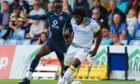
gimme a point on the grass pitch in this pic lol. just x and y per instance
(83, 82)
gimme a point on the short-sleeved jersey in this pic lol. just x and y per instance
(57, 25)
(84, 33)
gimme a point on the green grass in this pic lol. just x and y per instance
(83, 82)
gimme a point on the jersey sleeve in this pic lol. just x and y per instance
(68, 23)
(41, 17)
(68, 26)
(37, 17)
(72, 21)
(94, 27)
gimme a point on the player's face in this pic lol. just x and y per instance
(58, 8)
(79, 19)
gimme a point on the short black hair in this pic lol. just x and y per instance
(57, 1)
(80, 11)
(105, 26)
(6, 2)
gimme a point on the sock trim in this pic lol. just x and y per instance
(72, 68)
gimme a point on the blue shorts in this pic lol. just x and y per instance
(58, 47)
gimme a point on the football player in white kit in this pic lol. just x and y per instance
(84, 31)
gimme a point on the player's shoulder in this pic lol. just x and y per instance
(73, 21)
(49, 13)
(92, 23)
(89, 21)
(66, 15)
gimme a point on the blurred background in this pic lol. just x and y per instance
(118, 56)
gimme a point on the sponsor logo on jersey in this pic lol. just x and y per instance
(61, 18)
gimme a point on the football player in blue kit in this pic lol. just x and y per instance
(59, 23)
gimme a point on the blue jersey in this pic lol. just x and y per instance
(57, 24)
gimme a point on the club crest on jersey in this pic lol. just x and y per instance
(61, 18)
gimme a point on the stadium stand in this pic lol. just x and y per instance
(25, 42)
(134, 42)
(82, 73)
(18, 34)
(1, 41)
(137, 35)
(51, 68)
(34, 43)
(2, 32)
(124, 42)
(46, 72)
(11, 42)
(98, 72)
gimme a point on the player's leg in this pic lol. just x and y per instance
(70, 71)
(67, 62)
(60, 56)
(60, 49)
(69, 57)
(44, 50)
(79, 58)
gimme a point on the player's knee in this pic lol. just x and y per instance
(42, 52)
(39, 55)
(60, 56)
(76, 62)
(61, 61)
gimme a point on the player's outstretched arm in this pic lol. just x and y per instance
(37, 17)
(98, 41)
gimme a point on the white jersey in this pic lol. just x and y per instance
(84, 33)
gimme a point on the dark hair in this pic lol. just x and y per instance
(105, 26)
(84, 1)
(97, 0)
(121, 19)
(44, 33)
(57, 1)
(80, 11)
(117, 14)
(6, 2)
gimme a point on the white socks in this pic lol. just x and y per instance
(29, 75)
(68, 74)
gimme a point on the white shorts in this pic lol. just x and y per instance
(74, 52)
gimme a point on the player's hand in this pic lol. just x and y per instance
(66, 32)
(68, 41)
(93, 53)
